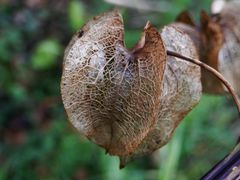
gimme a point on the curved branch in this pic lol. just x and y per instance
(213, 71)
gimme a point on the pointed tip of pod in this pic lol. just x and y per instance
(123, 162)
(148, 25)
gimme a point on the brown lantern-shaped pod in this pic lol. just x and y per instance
(130, 101)
(109, 92)
(220, 35)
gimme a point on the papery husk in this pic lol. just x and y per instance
(111, 94)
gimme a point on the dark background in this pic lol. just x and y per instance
(36, 139)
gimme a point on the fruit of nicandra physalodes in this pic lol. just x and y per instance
(229, 53)
(111, 94)
(220, 36)
(128, 101)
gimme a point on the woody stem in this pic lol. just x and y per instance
(213, 71)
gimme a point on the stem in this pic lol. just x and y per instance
(213, 71)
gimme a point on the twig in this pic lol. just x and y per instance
(213, 71)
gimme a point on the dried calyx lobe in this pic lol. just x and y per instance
(128, 102)
(181, 91)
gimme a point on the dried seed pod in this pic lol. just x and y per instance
(111, 95)
(211, 43)
(229, 54)
(128, 102)
(181, 91)
(220, 48)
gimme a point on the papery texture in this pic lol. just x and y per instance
(111, 95)
(181, 91)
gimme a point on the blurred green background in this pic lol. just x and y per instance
(37, 141)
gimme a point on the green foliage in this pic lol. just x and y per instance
(45, 54)
(131, 37)
(76, 14)
(36, 141)
(10, 40)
